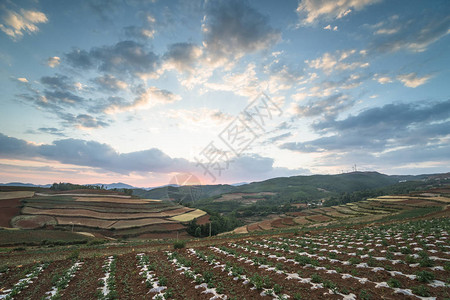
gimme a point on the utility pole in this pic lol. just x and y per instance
(209, 228)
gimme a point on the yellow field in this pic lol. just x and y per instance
(189, 216)
(387, 198)
(242, 229)
(115, 200)
(14, 195)
(403, 198)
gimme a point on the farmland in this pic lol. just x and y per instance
(370, 210)
(402, 260)
(95, 212)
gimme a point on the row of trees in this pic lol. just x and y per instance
(218, 224)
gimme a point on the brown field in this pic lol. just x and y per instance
(242, 229)
(203, 220)
(255, 197)
(32, 222)
(253, 227)
(139, 222)
(278, 223)
(319, 218)
(16, 195)
(8, 209)
(106, 224)
(88, 222)
(266, 225)
(99, 215)
(115, 200)
(301, 221)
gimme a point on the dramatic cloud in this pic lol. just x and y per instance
(233, 28)
(102, 156)
(15, 24)
(412, 80)
(330, 9)
(378, 129)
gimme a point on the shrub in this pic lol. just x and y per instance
(179, 244)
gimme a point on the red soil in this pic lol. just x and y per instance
(8, 209)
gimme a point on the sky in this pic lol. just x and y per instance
(140, 92)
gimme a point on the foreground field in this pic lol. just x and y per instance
(399, 261)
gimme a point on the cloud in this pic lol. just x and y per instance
(411, 80)
(327, 107)
(15, 24)
(244, 84)
(200, 116)
(415, 34)
(328, 27)
(381, 128)
(109, 83)
(382, 79)
(126, 57)
(182, 56)
(22, 79)
(330, 9)
(47, 130)
(144, 32)
(57, 82)
(104, 8)
(282, 76)
(233, 28)
(79, 59)
(11, 147)
(145, 98)
(54, 61)
(340, 61)
(103, 157)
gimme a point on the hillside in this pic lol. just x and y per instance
(430, 203)
(96, 213)
(274, 193)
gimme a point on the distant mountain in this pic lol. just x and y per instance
(25, 184)
(118, 185)
(239, 183)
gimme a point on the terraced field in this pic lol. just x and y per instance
(370, 210)
(103, 214)
(397, 261)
